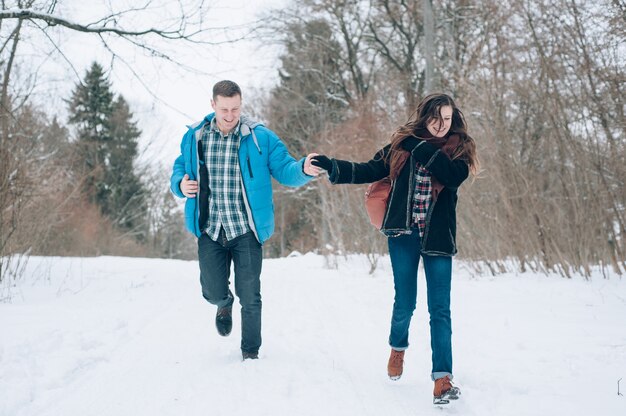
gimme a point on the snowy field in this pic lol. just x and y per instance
(121, 336)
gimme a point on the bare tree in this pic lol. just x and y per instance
(541, 84)
(396, 31)
(550, 144)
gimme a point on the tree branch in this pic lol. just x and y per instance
(177, 34)
(54, 21)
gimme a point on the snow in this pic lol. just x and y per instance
(126, 336)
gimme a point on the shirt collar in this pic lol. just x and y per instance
(234, 131)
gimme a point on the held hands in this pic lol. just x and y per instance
(314, 164)
(188, 187)
(309, 168)
(322, 162)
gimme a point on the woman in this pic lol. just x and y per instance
(427, 160)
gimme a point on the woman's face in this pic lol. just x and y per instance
(439, 126)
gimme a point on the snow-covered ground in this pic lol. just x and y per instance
(121, 336)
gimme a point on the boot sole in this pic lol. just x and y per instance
(224, 333)
(445, 400)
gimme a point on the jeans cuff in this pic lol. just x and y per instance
(441, 374)
(226, 302)
(399, 348)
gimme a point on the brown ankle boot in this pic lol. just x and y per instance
(395, 364)
(444, 391)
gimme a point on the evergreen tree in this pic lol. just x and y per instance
(91, 108)
(309, 97)
(107, 148)
(127, 201)
(308, 102)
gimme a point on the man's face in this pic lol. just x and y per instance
(227, 112)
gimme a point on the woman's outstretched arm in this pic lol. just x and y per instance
(345, 171)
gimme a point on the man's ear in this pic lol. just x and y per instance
(212, 104)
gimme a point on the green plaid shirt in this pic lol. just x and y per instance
(226, 206)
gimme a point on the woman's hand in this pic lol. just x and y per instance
(409, 143)
(322, 162)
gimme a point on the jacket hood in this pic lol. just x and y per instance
(248, 123)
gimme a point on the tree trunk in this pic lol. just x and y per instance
(429, 46)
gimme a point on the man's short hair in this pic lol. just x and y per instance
(226, 89)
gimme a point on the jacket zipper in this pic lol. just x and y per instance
(431, 208)
(411, 191)
(250, 168)
(196, 224)
(246, 204)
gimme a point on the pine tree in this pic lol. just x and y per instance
(107, 148)
(307, 102)
(126, 202)
(91, 108)
(310, 94)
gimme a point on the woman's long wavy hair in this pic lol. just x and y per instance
(428, 109)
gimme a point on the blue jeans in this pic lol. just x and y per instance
(215, 258)
(404, 251)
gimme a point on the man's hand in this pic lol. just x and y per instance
(309, 168)
(188, 188)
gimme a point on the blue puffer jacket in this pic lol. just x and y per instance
(261, 155)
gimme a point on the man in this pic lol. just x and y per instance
(224, 170)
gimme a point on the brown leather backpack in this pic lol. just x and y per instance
(376, 198)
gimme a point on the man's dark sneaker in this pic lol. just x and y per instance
(445, 391)
(224, 319)
(250, 355)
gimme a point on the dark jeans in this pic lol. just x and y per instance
(245, 253)
(405, 256)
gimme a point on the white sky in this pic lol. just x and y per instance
(187, 94)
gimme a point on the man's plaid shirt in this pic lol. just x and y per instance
(226, 206)
(422, 197)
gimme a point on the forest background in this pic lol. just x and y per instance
(541, 84)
